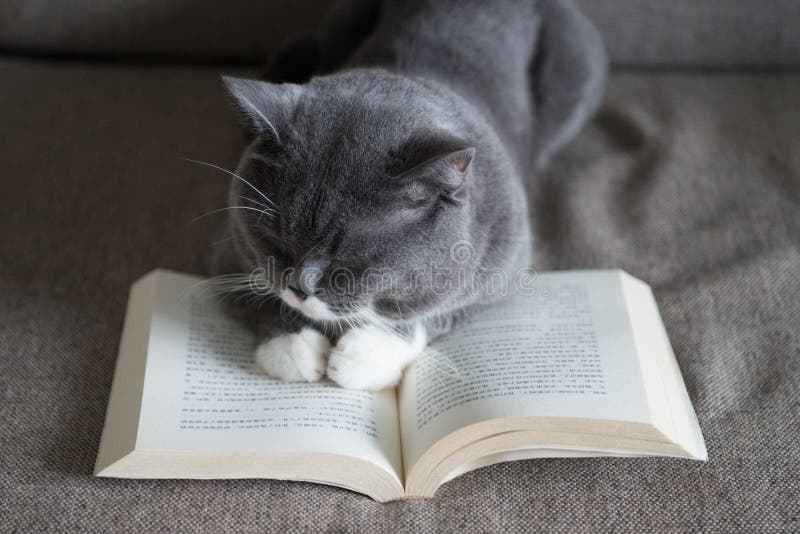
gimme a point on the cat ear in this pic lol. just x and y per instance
(265, 106)
(569, 74)
(446, 173)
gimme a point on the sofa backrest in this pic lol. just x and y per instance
(637, 32)
(699, 32)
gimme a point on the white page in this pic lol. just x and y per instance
(203, 392)
(564, 349)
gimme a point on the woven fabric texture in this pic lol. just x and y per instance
(689, 182)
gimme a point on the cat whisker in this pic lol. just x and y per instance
(349, 322)
(332, 328)
(370, 316)
(237, 286)
(254, 188)
(450, 370)
(262, 212)
(222, 240)
(255, 202)
(266, 209)
(219, 282)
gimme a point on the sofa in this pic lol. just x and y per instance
(688, 178)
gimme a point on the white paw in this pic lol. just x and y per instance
(296, 357)
(371, 358)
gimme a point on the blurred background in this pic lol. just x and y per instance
(688, 178)
(642, 32)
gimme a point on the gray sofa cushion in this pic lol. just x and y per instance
(640, 32)
(688, 182)
(245, 30)
(699, 32)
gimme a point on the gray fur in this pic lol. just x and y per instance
(419, 136)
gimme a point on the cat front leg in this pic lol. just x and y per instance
(295, 357)
(372, 357)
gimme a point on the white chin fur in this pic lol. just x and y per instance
(312, 307)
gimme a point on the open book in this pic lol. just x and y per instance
(578, 366)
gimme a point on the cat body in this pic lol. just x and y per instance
(382, 201)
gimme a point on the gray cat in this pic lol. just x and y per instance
(375, 196)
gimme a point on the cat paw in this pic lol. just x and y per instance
(296, 357)
(371, 358)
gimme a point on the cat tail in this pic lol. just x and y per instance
(568, 74)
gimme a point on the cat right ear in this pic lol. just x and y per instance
(265, 107)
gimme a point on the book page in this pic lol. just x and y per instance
(562, 349)
(203, 391)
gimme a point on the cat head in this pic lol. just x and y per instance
(354, 189)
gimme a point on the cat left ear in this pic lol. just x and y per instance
(445, 173)
(265, 107)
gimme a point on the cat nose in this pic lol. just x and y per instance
(299, 293)
(304, 280)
